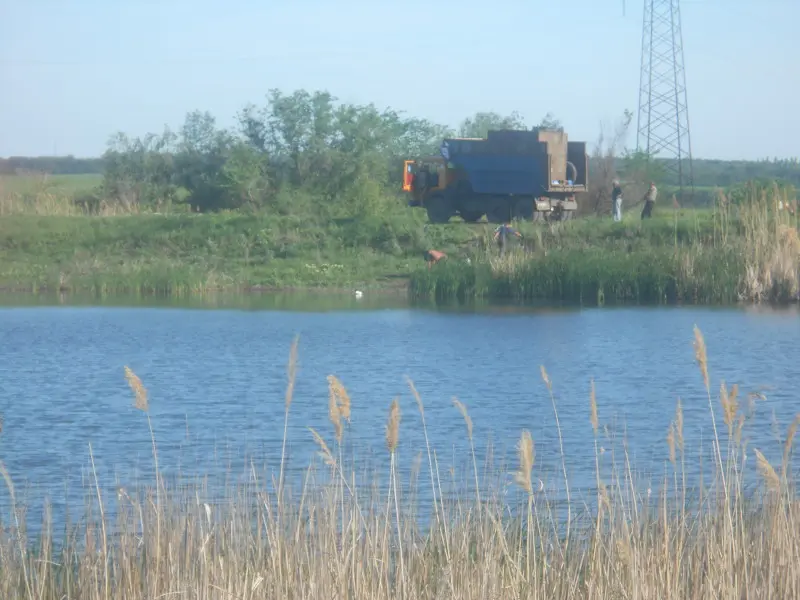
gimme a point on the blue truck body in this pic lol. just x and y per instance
(502, 174)
(521, 174)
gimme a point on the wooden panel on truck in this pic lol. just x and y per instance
(557, 149)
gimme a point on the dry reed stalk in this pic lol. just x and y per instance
(392, 439)
(340, 396)
(468, 421)
(700, 356)
(291, 374)
(526, 454)
(548, 383)
(21, 542)
(768, 473)
(595, 547)
(106, 579)
(142, 403)
(671, 442)
(730, 407)
(437, 507)
(787, 446)
(393, 426)
(325, 452)
(335, 416)
(139, 391)
(523, 477)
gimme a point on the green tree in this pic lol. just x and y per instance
(200, 158)
(479, 125)
(140, 171)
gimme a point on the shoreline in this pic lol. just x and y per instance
(395, 291)
(242, 290)
(721, 257)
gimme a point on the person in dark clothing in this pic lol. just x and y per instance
(501, 236)
(649, 201)
(616, 200)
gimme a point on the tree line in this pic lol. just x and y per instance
(307, 144)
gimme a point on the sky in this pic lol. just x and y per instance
(73, 72)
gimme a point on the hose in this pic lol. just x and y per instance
(574, 172)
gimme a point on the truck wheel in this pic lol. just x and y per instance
(471, 216)
(559, 214)
(499, 211)
(523, 210)
(439, 208)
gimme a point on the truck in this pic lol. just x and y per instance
(510, 174)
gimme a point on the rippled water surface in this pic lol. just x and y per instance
(217, 379)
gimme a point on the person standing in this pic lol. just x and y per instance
(616, 200)
(649, 201)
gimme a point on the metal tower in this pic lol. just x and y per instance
(663, 121)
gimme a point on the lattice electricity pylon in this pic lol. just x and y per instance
(663, 122)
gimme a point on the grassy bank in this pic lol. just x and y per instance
(185, 253)
(335, 542)
(723, 255)
(48, 241)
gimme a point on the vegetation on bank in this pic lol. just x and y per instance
(725, 539)
(309, 142)
(745, 251)
(185, 253)
(304, 191)
(748, 252)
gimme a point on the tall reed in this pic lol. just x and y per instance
(337, 541)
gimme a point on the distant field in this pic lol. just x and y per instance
(67, 185)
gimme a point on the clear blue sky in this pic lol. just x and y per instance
(72, 72)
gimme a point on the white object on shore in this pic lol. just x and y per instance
(359, 293)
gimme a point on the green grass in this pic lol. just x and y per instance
(714, 256)
(67, 185)
(193, 253)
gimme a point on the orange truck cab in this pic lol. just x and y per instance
(408, 175)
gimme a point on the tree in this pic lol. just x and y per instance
(550, 122)
(346, 159)
(140, 171)
(479, 125)
(603, 167)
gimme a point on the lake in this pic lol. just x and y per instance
(215, 370)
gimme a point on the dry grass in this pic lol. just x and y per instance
(62, 195)
(772, 246)
(334, 542)
(748, 252)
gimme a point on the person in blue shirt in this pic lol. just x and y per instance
(501, 235)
